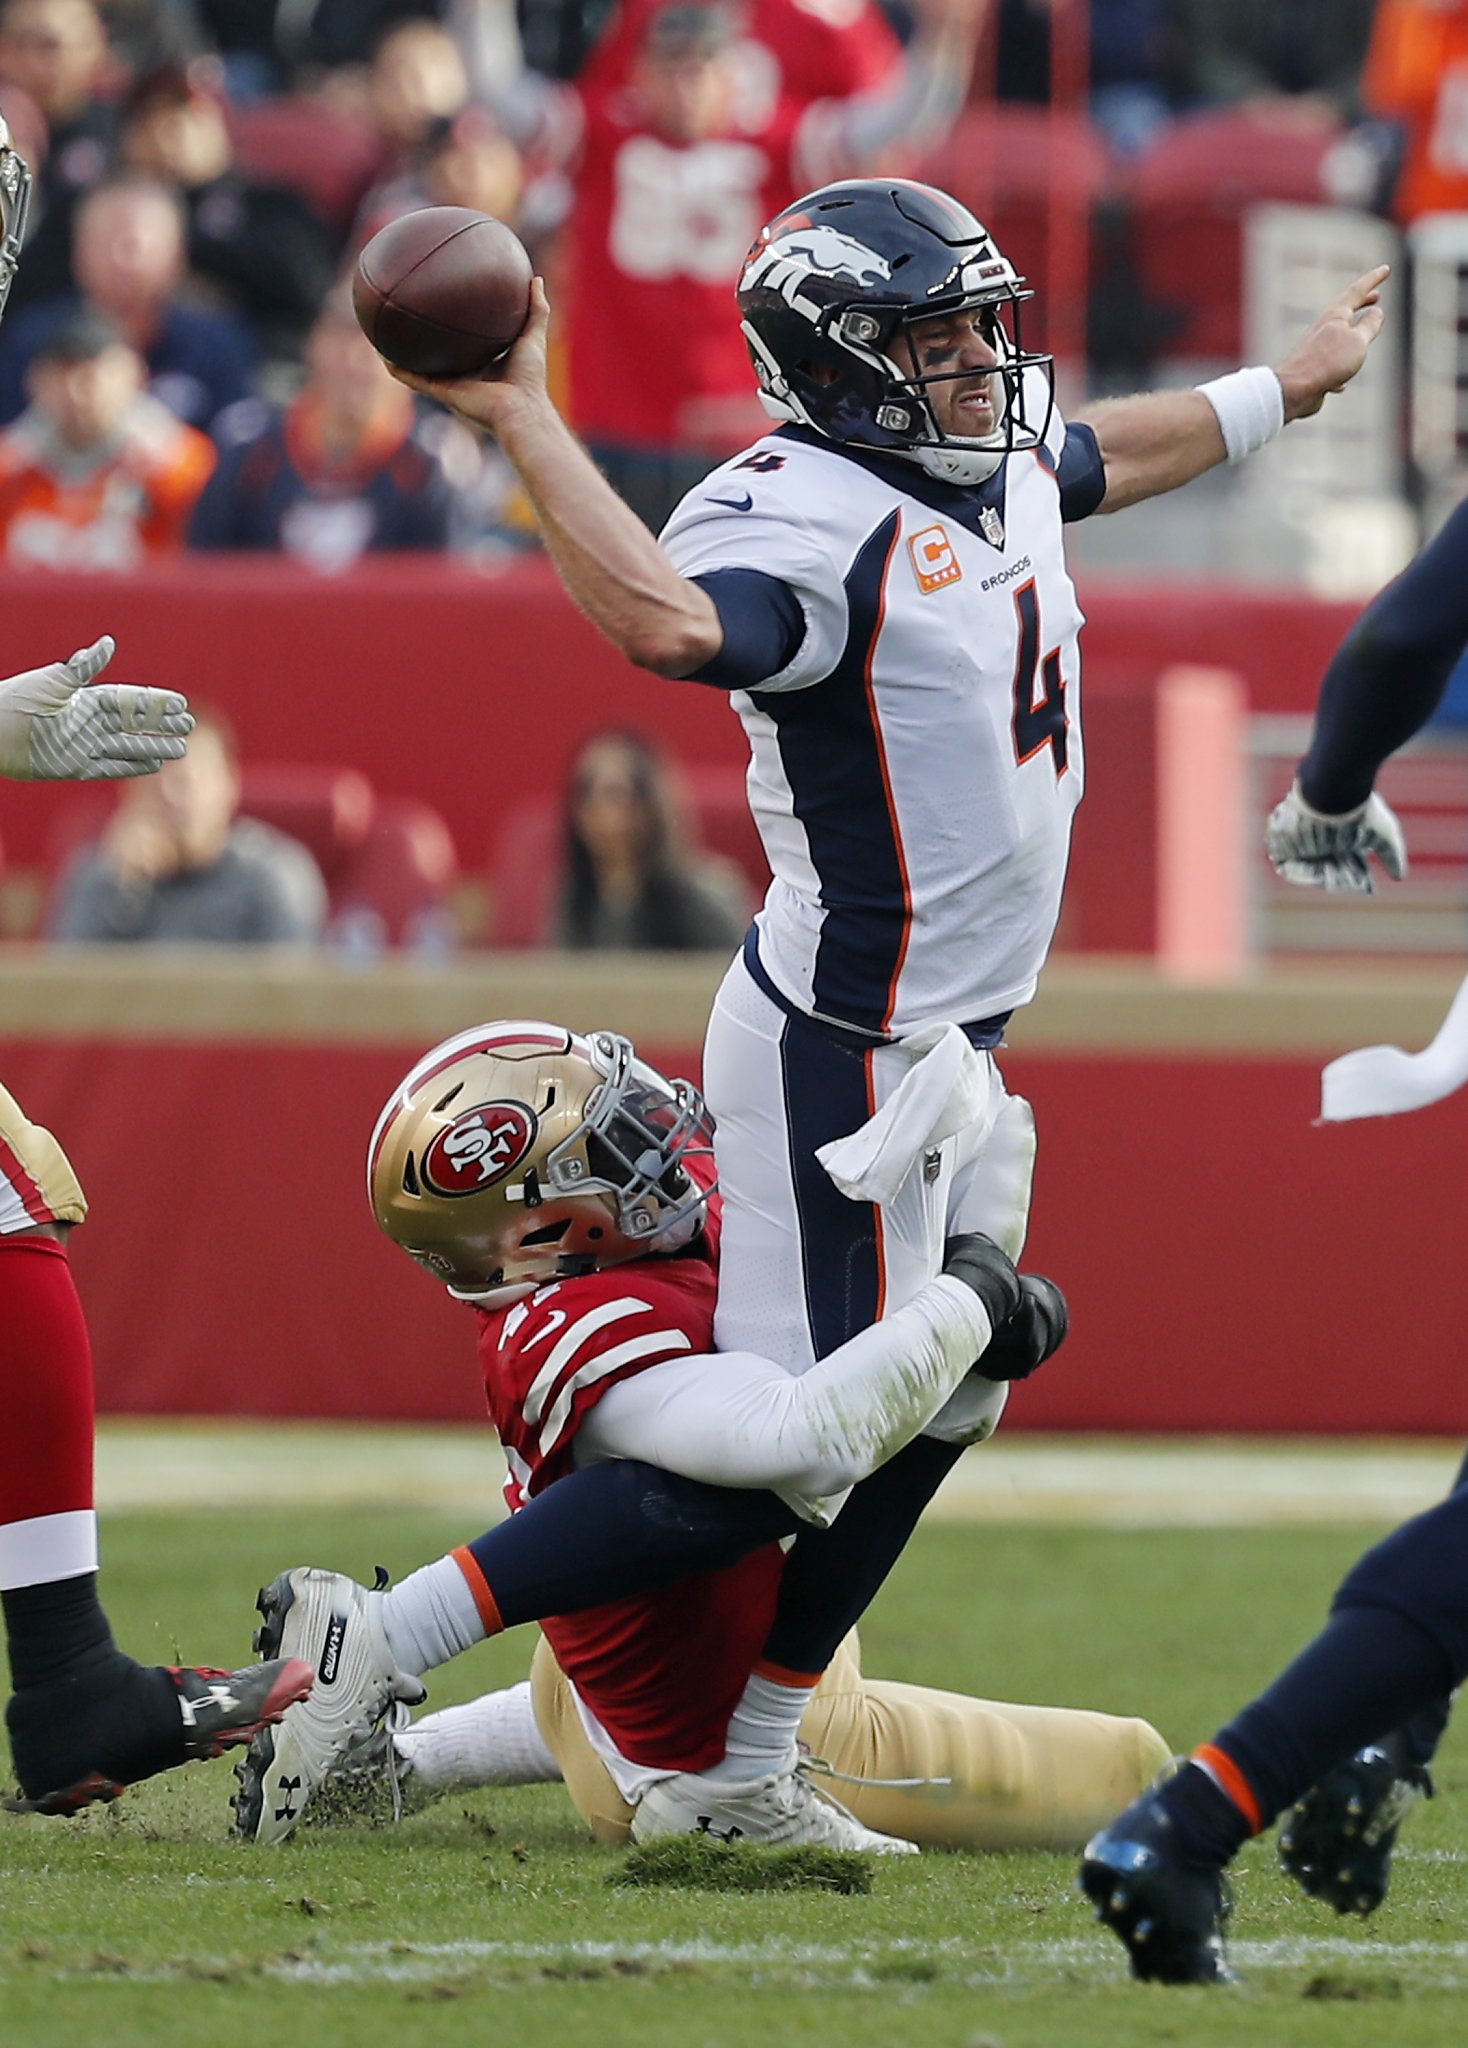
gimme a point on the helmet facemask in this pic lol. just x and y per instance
(15, 199)
(518, 1155)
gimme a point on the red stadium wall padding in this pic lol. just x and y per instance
(1230, 1266)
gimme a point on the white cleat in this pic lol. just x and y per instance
(333, 1623)
(781, 1812)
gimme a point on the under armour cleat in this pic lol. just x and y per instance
(779, 1812)
(1337, 1842)
(1167, 1910)
(220, 1710)
(334, 1624)
(374, 1785)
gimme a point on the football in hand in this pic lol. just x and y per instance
(444, 291)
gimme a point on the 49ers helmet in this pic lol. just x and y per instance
(829, 294)
(519, 1153)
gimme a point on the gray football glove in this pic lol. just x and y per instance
(54, 729)
(1321, 852)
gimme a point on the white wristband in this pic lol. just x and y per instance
(1250, 409)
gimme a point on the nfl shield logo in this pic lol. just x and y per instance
(991, 526)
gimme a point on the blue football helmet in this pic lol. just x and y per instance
(829, 294)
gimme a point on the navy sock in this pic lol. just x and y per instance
(1209, 1827)
(1367, 1669)
(612, 1531)
(832, 1575)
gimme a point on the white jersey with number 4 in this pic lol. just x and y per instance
(916, 766)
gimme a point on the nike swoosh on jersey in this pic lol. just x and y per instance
(744, 504)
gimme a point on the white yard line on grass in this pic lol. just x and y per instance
(1123, 1483)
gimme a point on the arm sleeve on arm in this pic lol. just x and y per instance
(733, 1419)
(1080, 473)
(1388, 676)
(768, 545)
(763, 627)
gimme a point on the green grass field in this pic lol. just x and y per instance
(493, 1918)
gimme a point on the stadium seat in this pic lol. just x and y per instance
(1188, 197)
(393, 888)
(1005, 162)
(327, 156)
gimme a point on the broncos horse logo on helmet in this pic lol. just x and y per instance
(519, 1153)
(829, 295)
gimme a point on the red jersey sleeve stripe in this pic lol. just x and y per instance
(567, 1344)
(641, 1351)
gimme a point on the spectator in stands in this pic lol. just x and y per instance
(145, 34)
(787, 48)
(345, 468)
(95, 474)
(129, 259)
(677, 170)
(259, 246)
(267, 44)
(629, 879)
(178, 865)
(466, 161)
(1416, 83)
(57, 52)
(1294, 60)
(418, 80)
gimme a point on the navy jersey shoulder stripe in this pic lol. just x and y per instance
(834, 761)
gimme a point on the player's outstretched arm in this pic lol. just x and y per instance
(609, 562)
(1163, 439)
(1383, 684)
(54, 728)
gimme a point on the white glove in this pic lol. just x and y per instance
(1320, 852)
(52, 729)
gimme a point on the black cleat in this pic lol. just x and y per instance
(1337, 1842)
(1168, 1911)
(219, 1709)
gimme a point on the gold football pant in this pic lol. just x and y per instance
(994, 1776)
(37, 1184)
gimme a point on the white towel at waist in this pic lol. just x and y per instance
(948, 1088)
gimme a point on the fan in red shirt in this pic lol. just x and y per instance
(683, 137)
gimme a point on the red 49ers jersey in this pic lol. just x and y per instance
(661, 1673)
(655, 354)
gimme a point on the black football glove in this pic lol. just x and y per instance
(1034, 1332)
(979, 1263)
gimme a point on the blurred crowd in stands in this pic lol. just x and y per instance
(180, 367)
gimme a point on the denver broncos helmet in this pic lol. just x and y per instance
(519, 1153)
(829, 294)
(15, 199)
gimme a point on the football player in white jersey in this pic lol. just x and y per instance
(881, 584)
(84, 1720)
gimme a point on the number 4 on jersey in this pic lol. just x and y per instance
(1038, 722)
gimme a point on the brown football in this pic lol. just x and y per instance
(444, 291)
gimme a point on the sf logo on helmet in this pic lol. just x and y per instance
(479, 1147)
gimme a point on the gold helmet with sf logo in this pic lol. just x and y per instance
(519, 1153)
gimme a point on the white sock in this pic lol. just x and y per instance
(492, 1741)
(430, 1617)
(762, 1731)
